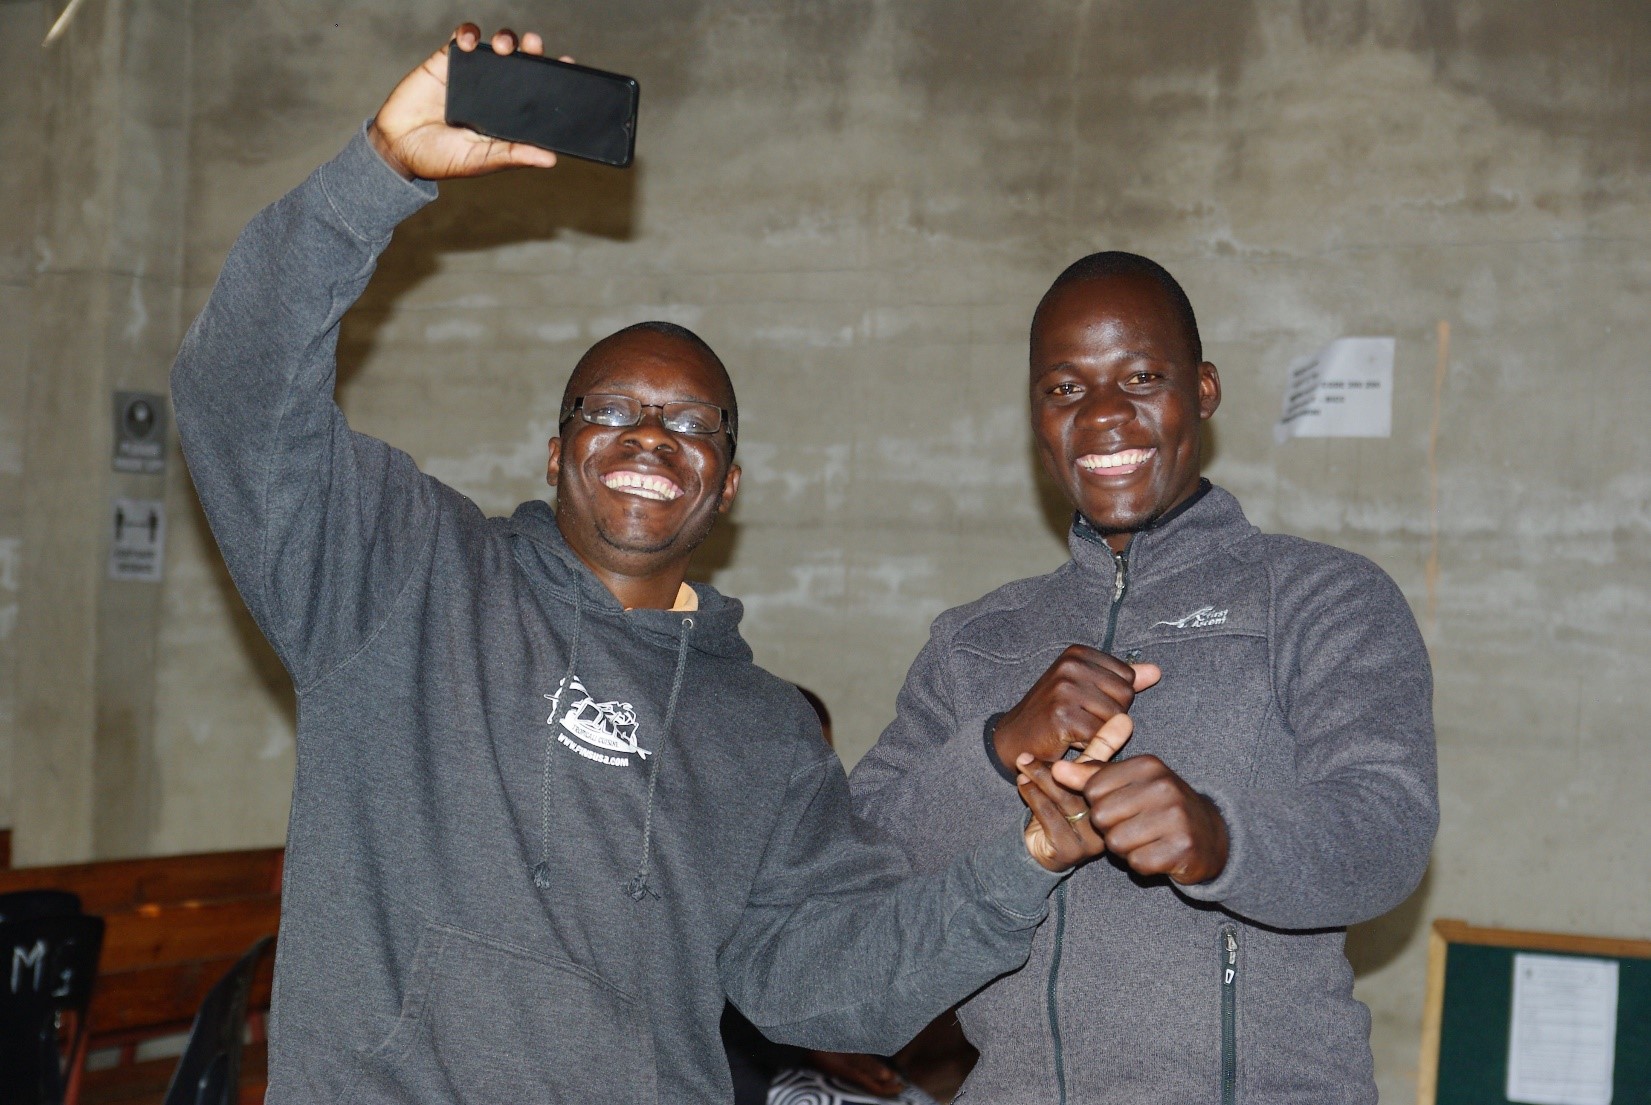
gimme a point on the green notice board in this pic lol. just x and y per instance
(1470, 1009)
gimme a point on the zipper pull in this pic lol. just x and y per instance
(1118, 581)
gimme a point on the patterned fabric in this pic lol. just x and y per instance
(802, 1086)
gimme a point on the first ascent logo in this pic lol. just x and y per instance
(587, 725)
(1202, 618)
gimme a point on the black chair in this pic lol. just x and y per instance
(19, 904)
(49, 965)
(209, 1071)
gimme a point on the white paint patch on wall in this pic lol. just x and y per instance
(11, 554)
(902, 590)
(965, 459)
(455, 330)
(489, 474)
(818, 474)
(278, 741)
(137, 319)
(558, 333)
(683, 314)
(803, 337)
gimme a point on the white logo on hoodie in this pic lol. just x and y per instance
(610, 725)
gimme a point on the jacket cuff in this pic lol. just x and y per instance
(1220, 888)
(1011, 880)
(368, 196)
(989, 731)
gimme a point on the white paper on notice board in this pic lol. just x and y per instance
(1343, 390)
(1562, 1040)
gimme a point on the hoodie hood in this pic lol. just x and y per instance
(547, 560)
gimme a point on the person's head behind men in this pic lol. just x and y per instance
(634, 501)
(1119, 388)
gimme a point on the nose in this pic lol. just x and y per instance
(1106, 407)
(650, 433)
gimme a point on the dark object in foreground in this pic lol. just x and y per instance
(555, 105)
(209, 1071)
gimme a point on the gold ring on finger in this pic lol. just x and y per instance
(1077, 817)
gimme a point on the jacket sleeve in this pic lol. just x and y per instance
(1350, 839)
(928, 783)
(320, 526)
(843, 947)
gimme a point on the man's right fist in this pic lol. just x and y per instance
(1080, 692)
(410, 131)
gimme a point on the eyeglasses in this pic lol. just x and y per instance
(601, 409)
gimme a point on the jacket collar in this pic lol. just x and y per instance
(1208, 521)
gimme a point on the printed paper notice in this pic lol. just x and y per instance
(1343, 390)
(1562, 1043)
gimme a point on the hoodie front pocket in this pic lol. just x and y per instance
(485, 1022)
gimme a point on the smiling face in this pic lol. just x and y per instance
(635, 501)
(1117, 398)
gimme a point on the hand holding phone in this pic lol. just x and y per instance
(411, 133)
(555, 105)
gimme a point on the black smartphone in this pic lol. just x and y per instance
(555, 105)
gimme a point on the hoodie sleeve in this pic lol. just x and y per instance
(1351, 838)
(929, 781)
(319, 525)
(842, 947)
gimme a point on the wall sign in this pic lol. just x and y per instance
(136, 551)
(140, 432)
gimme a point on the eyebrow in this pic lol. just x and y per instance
(1127, 354)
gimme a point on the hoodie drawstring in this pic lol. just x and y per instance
(541, 870)
(638, 887)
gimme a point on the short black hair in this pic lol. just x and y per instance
(1115, 262)
(679, 333)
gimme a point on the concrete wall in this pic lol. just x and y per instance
(858, 203)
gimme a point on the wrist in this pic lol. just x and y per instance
(381, 146)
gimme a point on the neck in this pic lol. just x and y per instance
(654, 591)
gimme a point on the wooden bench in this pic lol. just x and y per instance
(175, 925)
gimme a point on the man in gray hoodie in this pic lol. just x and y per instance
(1279, 784)
(547, 815)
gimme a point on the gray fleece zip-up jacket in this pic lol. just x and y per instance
(1296, 694)
(536, 839)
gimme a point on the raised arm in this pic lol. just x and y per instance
(319, 525)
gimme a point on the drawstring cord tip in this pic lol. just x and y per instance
(638, 889)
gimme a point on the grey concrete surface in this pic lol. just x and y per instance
(858, 202)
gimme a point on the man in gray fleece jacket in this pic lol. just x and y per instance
(1279, 784)
(548, 816)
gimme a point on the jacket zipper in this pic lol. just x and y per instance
(1054, 971)
(1120, 585)
(1229, 1015)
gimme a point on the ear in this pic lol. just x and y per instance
(730, 488)
(1209, 390)
(553, 467)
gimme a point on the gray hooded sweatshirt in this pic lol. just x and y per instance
(536, 839)
(1297, 695)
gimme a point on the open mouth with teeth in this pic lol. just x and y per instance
(1120, 463)
(642, 486)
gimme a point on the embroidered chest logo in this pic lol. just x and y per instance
(1202, 618)
(587, 725)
